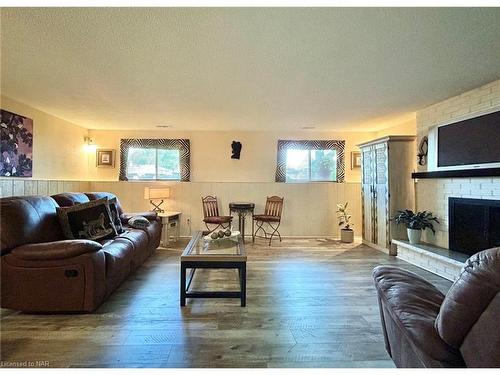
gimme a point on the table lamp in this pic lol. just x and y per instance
(156, 194)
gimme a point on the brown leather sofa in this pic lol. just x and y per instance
(424, 328)
(41, 271)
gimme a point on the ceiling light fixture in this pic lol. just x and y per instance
(308, 127)
(164, 126)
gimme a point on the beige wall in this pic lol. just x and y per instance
(58, 146)
(405, 128)
(308, 210)
(211, 151)
(433, 194)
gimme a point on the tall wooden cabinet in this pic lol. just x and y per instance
(386, 187)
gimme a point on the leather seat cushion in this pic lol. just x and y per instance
(137, 237)
(118, 255)
(414, 305)
(217, 219)
(140, 240)
(267, 218)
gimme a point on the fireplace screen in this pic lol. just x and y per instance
(474, 224)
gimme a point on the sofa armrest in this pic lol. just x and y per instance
(56, 250)
(150, 215)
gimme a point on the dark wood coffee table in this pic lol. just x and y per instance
(225, 253)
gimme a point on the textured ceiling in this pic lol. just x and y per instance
(247, 68)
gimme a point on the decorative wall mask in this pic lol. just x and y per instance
(423, 148)
(236, 149)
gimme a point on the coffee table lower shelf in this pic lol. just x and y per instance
(193, 265)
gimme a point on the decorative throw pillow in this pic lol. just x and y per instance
(115, 215)
(138, 222)
(91, 220)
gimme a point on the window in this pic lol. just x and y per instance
(310, 161)
(154, 159)
(311, 165)
(153, 164)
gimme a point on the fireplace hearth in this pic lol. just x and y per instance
(474, 224)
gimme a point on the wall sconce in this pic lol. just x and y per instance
(90, 146)
(156, 194)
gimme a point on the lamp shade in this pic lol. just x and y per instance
(156, 193)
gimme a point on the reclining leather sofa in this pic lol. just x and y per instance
(424, 328)
(41, 271)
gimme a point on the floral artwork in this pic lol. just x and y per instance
(16, 145)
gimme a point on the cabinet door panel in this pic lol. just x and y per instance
(368, 164)
(381, 195)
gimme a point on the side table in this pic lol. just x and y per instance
(171, 225)
(243, 209)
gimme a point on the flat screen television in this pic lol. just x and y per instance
(466, 144)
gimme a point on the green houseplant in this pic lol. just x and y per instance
(346, 233)
(415, 223)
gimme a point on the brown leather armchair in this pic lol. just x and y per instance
(41, 271)
(424, 328)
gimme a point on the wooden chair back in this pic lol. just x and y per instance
(274, 206)
(210, 206)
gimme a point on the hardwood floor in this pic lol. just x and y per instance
(310, 303)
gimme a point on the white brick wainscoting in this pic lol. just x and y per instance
(442, 262)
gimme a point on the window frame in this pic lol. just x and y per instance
(182, 145)
(310, 145)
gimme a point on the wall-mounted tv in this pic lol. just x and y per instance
(466, 144)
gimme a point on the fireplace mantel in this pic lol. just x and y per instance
(477, 172)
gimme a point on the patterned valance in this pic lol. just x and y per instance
(284, 145)
(166, 144)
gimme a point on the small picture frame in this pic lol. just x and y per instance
(355, 159)
(105, 158)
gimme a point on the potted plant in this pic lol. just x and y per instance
(415, 223)
(346, 233)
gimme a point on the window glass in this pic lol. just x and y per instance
(323, 165)
(153, 164)
(311, 165)
(297, 165)
(168, 165)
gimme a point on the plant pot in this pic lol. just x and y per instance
(347, 235)
(414, 235)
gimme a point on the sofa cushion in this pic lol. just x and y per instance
(137, 237)
(140, 240)
(413, 304)
(26, 220)
(91, 220)
(118, 254)
(70, 199)
(56, 250)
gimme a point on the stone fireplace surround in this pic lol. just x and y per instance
(474, 225)
(432, 194)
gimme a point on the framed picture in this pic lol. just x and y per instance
(355, 159)
(16, 158)
(105, 158)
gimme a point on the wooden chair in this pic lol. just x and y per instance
(271, 216)
(211, 214)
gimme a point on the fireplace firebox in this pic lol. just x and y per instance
(474, 224)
